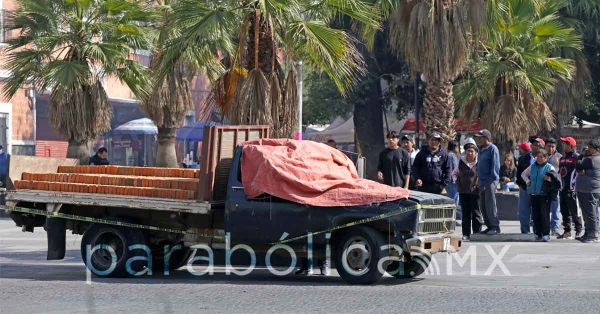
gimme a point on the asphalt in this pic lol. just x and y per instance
(527, 278)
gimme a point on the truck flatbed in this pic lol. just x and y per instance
(108, 200)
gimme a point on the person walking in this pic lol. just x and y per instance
(568, 197)
(454, 158)
(543, 183)
(508, 172)
(554, 159)
(408, 143)
(488, 168)
(587, 186)
(394, 163)
(432, 166)
(466, 184)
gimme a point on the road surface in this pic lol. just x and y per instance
(496, 278)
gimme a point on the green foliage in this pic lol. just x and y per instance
(517, 67)
(68, 47)
(301, 30)
(322, 101)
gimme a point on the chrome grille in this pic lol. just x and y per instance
(436, 226)
(438, 213)
(436, 219)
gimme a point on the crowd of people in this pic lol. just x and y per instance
(550, 184)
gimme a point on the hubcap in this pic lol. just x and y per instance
(102, 257)
(357, 253)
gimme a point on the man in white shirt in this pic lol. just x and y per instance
(408, 142)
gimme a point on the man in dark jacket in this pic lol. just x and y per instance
(101, 158)
(431, 167)
(568, 197)
(394, 163)
(587, 187)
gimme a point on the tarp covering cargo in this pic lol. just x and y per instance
(308, 173)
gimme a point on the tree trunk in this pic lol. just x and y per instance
(165, 148)
(368, 125)
(438, 110)
(79, 150)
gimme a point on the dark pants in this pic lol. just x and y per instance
(487, 203)
(540, 211)
(589, 203)
(469, 203)
(568, 210)
(433, 188)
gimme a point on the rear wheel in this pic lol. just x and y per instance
(179, 256)
(110, 248)
(357, 256)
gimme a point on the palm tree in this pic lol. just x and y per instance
(569, 96)
(68, 47)
(267, 38)
(170, 96)
(515, 70)
(434, 38)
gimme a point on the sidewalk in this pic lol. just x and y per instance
(511, 232)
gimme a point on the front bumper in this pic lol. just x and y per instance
(434, 243)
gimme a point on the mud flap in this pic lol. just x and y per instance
(56, 231)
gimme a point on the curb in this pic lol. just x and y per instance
(503, 237)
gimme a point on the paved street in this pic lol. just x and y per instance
(537, 278)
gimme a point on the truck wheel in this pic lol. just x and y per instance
(178, 257)
(117, 239)
(413, 268)
(357, 255)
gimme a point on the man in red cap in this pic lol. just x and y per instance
(568, 197)
(525, 160)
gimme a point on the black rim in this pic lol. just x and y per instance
(102, 258)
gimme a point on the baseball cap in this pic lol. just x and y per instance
(484, 133)
(569, 140)
(524, 146)
(539, 141)
(436, 135)
(595, 144)
(408, 138)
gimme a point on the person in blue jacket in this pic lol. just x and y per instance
(3, 166)
(432, 168)
(543, 184)
(488, 170)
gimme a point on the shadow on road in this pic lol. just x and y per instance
(34, 266)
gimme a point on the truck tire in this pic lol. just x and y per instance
(413, 268)
(357, 255)
(177, 260)
(119, 239)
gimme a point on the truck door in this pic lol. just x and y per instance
(263, 219)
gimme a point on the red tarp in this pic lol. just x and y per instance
(460, 125)
(308, 173)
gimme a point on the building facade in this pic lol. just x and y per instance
(25, 128)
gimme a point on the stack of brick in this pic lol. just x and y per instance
(131, 181)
